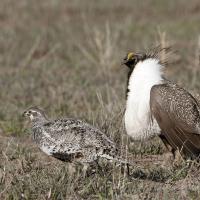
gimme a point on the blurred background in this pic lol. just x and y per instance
(65, 56)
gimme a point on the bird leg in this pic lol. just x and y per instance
(71, 168)
(173, 156)
(169, 156)
(166, 143)
(178, 159)
(128, 169)
(125, 169)
(85, 168)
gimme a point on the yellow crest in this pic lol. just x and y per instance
(130, 55)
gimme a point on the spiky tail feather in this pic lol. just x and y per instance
(132, 160)
(129, 159)
(135, 161)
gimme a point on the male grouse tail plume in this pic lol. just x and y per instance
(158, 107)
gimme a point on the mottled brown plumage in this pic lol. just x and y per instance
(70, 140)
(177, 113)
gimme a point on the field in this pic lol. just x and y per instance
(65, 56)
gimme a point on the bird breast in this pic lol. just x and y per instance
(138, 122)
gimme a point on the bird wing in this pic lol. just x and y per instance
(62, 141)
(177, 113)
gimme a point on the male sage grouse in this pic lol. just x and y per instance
(158, 107)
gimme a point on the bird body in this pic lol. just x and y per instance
(156, 106)
(70, 140)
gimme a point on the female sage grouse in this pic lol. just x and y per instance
(70, 140)
(156, 106)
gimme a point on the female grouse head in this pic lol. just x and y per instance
(35, 114)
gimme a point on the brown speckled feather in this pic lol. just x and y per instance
(177, 113)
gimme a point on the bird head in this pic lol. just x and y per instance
(34, 114)
(132, 59)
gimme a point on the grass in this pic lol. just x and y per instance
(65, 57)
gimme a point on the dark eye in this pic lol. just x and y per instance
(133, 57)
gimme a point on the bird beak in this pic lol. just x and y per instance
(124, 62)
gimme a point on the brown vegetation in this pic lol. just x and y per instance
(65, 57)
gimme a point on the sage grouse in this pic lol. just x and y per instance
(158, 107)
(70, 140)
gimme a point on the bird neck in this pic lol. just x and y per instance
(145, 74)
(39, 120)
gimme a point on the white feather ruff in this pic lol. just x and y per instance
(138, 123)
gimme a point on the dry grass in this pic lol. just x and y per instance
(65, 57)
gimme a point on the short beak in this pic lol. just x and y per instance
(124, 62)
